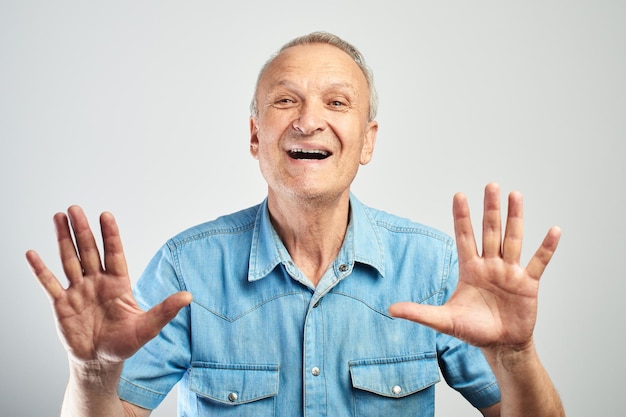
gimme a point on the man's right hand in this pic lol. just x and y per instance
(97, 317)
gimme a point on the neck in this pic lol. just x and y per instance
(311, 230)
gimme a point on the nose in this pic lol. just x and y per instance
(310, 119)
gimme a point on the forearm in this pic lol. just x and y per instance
(526, 387)
(92, 392)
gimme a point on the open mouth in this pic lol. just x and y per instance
(308, 154)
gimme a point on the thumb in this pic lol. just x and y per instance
(158, 316)
(435, 317)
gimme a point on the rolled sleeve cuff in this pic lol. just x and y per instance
(139, 396)
(485, 397)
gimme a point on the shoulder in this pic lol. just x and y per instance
(397, 226)
(242, 221)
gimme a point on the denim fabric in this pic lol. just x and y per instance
(260, 340)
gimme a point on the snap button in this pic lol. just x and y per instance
(315, 371)
(396, 389)
(232, 397)
(343, 267)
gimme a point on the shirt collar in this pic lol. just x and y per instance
(361, 244)
(368, 247)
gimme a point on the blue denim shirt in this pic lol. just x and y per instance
(260, 340)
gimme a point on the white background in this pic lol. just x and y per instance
(141, 108)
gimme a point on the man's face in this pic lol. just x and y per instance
(312, 129)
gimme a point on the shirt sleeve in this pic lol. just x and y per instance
(154, 370)
(463, 366)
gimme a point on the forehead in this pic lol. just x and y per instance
(312, 65)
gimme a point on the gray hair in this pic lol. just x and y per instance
(336, 41)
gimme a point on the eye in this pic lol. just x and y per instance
(284, 102)
(337, 103)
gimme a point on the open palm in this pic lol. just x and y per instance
(97, 317)
(495, 302)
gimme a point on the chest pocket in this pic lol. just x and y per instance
(398, 386)
(235, 389)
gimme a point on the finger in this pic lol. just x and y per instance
(492, 222)
(435, 317)
(514, 233)
(463, 231)
(67, 251)
(85, 242)
(114, 259)
(48, 281)
(158, 316)
(544, 254)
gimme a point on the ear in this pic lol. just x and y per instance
(368, 142)
(254, 139)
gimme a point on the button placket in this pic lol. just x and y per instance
(315, 389)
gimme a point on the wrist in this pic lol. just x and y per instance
(511, 357)
(96, 376)
(525, 385)
(92, 390)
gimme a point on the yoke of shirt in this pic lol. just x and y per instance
(260, 340)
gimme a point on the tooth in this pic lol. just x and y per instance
(310, 151)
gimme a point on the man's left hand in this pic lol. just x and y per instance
(495, 303)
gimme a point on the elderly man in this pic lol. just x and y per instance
(297, 302)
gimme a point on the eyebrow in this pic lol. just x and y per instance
(334, 85)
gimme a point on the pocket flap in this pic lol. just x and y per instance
(395, 377)
(234, 383)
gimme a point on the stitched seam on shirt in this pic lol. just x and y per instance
(177, 268)
(424, 356)
(361, 301)
(257, 306)
(271, 265)
(380, 311)
(487, 387)
(446, 272)
(160, 394)
(212, 232)
(381, 251)
(413, 229)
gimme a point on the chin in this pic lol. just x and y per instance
(318, 196)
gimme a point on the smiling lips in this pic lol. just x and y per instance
(308, 153)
